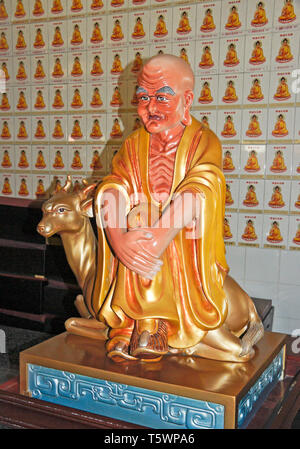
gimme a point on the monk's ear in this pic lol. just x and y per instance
(188, 101)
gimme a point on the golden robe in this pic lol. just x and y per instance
(188, 291)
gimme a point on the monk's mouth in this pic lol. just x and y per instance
(155, 117)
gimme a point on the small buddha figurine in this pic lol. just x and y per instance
(184, 24)
(39, 40)
(57, 38)
(251, 199)
(116, 3)
(96, 35)
(134, 101)
(96, 101)
(208, 24)
(3, 12)
(117, 65)
(96, 162)
(288, 13)
(228, 165)
(3, 42)
(138, 31)
(257, 56)
(205, 122)
(137, 124)
(6, 189)
(58, 101)
(76, 36)
(297, 203)
(58, 131)
(40, 161)
(252, 164)
(76, 187)
(40, 132)
(230, 93)
(38, 9)
(76, 6)
(23, 190)
(5, 71)
(6, 162)
(58, 161)
(137, 63)
(40, 189)
(23, 162)
(116, 98)
(260, 17)
(96, 4)
(206, 58)
(277, 198)
(21, 44)
(282, 91)
(249, 232)
(284, 54)
(183, 55)
(22, 133)
(39, 71)
(227, 230)
(57, 7)
(5, 133)
(76, 163)
(116, 131)
(205, 94)
(117, 33)
(96, 68)
(255, 92)
(58, 186)
(76, 102)
(57, 69)
(20, 10)
(254, 127)
(39, 102)
(76, 131)
(233, 22)
(275, 234)
(278, 164)
(21, 74)
(280, 129)
(96, 132)
(76, 69)
(161, 29)
(296, 239)
(231, 59)
(22, 104)
(228, 197)
(5, 106)
(228, 130)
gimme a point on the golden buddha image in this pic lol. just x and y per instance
(6, 162)
(278, 165)
(40, 161)
(297, 203)
(228, 165)
(22, 133)
(257, 56)
(137, 63)
(249, 232)
(39, 102)
(282, 91)
(255, 92)
(96, 34)
(298, 169)
(138, 31)
(296, 239)
(280, 129)
(39, 40)
(3, 12)
(208, 24)
(205, 94)
(20, 10)
(183, 55)
(23, 189)
(288, 13)
(76, 36)
(254, 127)
(228, 130)
(116, 98)
(6, 189)
(76, 69)
(117, 33)
(22, 104)
(5, 71)
(134, 101)
(57, 186)
(96, 132)
(260, 17)
(57, 38)
(39, 71)
(5, 133)
(228, 197)
(116, 131)
(252, 164)
(116, 3)
(58, 161)
(23, 162)
(275, 234)
(76, 163)
(96, 4)
(38, 9)
(76, 131)
(96, 101)
(250, 198)
(57, 7)
(58, 131)
(116, 65)
(233, 22)
(58, 101)
(4, 106)
(76, 5)
(40, 189)
(285, 53)
(96, 162)
(40, 132)
(57, 69)
(76, 101)
(21, 44)
(76, 187)
(204, 121)
(184, 24)
(206, 58)
(3, 42)
(276, 201)
(231, 59)
(161, 28)
(227, 230)
(137, 124)
(230, 95)
(96, 67)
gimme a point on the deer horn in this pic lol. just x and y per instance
(68, 184)
(88, 188)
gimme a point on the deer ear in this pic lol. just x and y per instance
(86, 207)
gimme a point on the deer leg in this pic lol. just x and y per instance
(87, 327)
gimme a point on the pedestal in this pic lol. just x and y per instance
(176, 393)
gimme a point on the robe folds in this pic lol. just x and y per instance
(188, 291)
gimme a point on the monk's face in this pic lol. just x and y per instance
(164, 98)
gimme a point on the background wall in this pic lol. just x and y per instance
(55, 65)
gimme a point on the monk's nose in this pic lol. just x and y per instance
(152, 105)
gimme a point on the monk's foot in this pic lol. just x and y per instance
(149, 344)
(117, 350)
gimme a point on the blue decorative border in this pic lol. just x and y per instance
(140, 406)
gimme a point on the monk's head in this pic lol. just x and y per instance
(165, 93)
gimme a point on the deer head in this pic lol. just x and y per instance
(67, 211)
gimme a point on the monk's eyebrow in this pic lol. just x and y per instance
(165, 90)
(141, 90)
